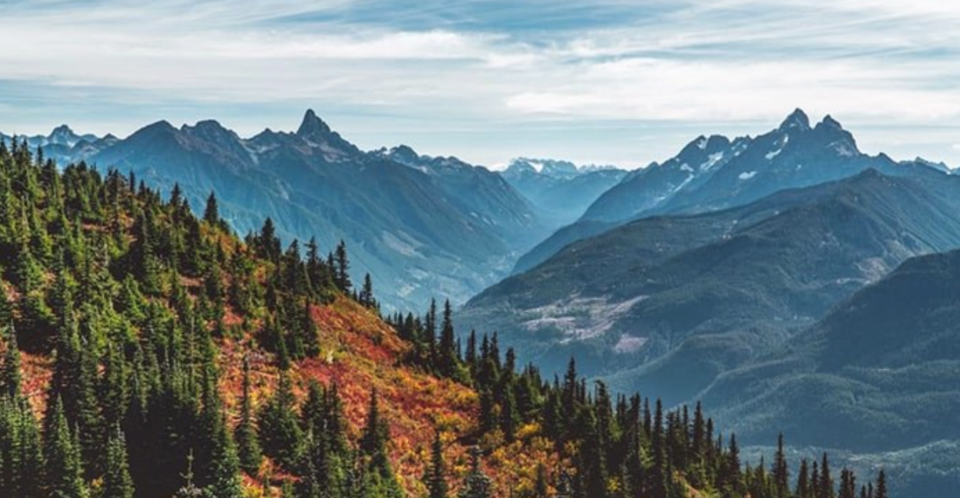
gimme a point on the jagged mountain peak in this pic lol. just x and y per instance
(62, 130)
(316, 133)
(829, 122)
(213, 131)
(312, 126)
(798, 119)
(705, 145)
(553, 168)
(403, 154)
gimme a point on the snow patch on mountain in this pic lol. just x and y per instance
(578, 318)
(712, 161)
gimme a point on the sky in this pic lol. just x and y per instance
(605, 82)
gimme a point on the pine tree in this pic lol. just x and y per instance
(476, 484)
(449, 359)
(268, 245)
(90, 424)
(342, 268)
(223, 475)
(825, 486)
(375, 431)
(591, 463)
(881, 490)
(211, 214)
(248, 443)
(378, 473)
(117, 482)
(10, 374)
(64, 468)
(280, 434)
(780, 471)
(21, 459)
(366, 293)
(803, 489)
(435, 477)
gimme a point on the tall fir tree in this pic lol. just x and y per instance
(64, 471)
(435, 477)
(117, 482)
(248, 442)
(476, 484)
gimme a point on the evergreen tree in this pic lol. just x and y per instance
(10, 373)
(378, 474)
(780, 471)
(248, 443)
(448, 360)
(223, 474)
(881, 490)
(211, 214)
(825, 485)
(803, 489)
(435, 477)
(342, 268)
(476, 484)
(117, 482)
(280, 434)
(366, 293)
(64, 468)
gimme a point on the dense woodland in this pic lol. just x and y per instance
(126, 299)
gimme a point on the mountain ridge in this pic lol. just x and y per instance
(717, 172)
(420, 233)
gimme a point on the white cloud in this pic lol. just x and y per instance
(705, 63)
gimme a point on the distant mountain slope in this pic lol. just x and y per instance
(665, 304)
(560, 190)
(891, 354)
(716, 173)
(876, 377)
(448, 229)
(481, 193)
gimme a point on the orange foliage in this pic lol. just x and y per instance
(360, 353)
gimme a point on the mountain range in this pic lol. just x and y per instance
(716, 172)
(422, 226)
(789, 281)
(561, 190)
(666, 303)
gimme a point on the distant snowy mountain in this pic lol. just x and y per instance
(717, 173)
(560, 190)
(63, 144)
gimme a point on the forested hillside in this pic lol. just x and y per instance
(147, 352)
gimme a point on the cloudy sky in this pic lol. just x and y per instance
(606, 81)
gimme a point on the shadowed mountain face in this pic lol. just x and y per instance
(666, 304)
(877, 376)
(560, 190)
(423, 228)
(716, 173)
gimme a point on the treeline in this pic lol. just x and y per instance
(616, 446)
(126, 294)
